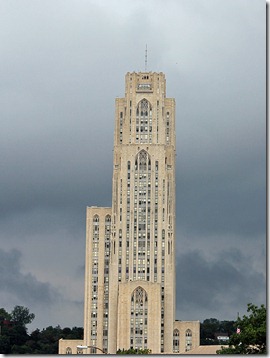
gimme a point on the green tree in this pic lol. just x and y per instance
(21, 316)
(14, 338)
(4, 344)
(18, 335)
(4, 338)
(14, 335)
(77, 333)
(210, 326)
(49, 340)
(251, 338)
(4, 315)
(228, 327)
(33, 342)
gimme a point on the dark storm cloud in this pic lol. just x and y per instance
(220, 286)
(36, 181)
(62, 64)
(24, 287)
(215, 198)
(50, 304)
(221, 142)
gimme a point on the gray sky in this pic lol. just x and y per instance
(62, 65)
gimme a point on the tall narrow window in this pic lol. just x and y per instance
(162, 288)
(121, 192)
(128, 220)
(139, 319)
(106, 281)
(176, 343)
(94, 293)
(130, 120)
(168, 127)
(188, 340)
(144, 122)
(156, 222)
(121, 127)
(120, 255)
(142, 215)
(157, 118)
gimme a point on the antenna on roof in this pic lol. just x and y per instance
(145, 57)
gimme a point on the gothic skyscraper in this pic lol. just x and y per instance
(130, 247)
(142, 277)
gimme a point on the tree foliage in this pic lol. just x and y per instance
(210, 326)
(14, 338)
(22, 316)
(4, 315)
(251, 338)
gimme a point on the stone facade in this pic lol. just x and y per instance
(130, 248)
(96, 295)
(69, 346)
(186, 336)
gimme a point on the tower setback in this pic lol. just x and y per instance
(130, 247)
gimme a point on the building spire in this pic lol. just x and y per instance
(145, 61)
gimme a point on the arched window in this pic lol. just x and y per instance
(144, 122)
(143, 160)
(138, 319)
(176, 342)
(188, 340)
(96, 228)
(68, 350)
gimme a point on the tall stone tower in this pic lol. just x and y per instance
(130, 248)
(142, 276)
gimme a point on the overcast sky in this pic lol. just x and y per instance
(62, 65)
